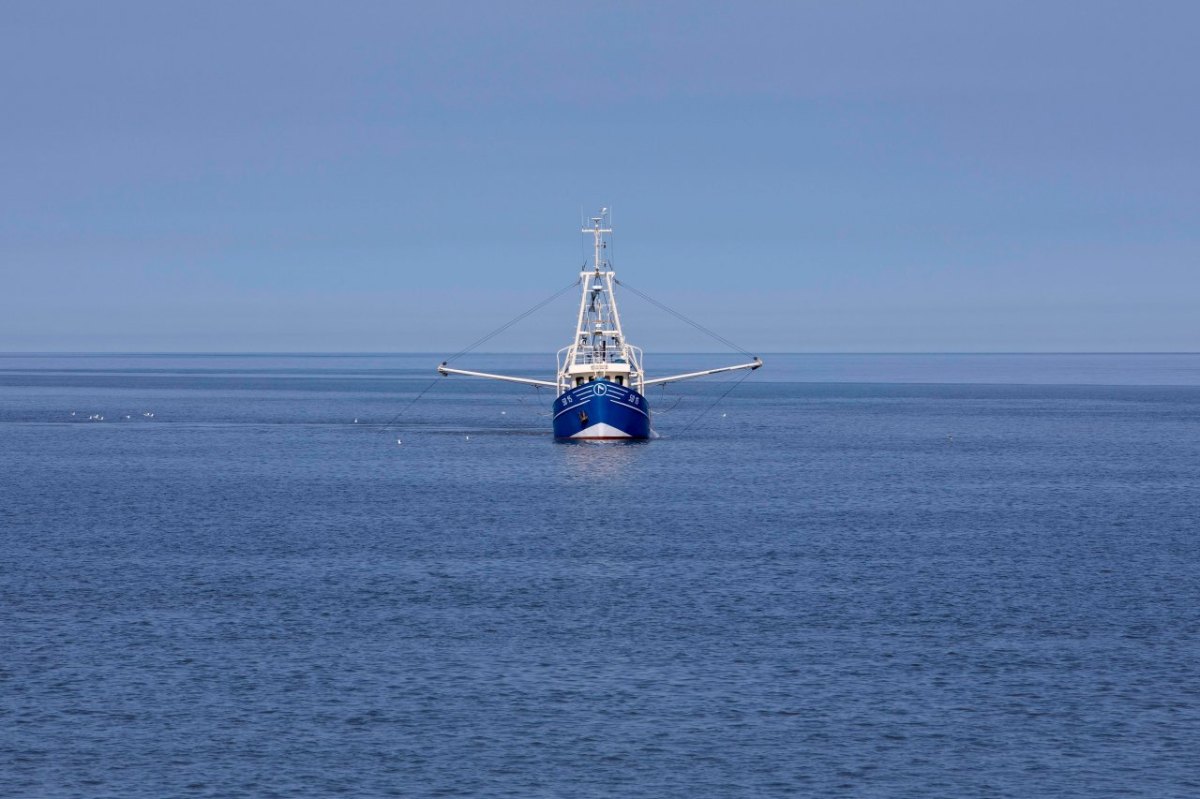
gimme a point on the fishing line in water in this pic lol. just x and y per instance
(723, 395)
(662, 399)
(538, 389)
(413, 401)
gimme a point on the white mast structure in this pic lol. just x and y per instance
(599, 349)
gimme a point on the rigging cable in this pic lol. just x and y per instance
(683, 318)
(724, 394)
(662, 399)
(518, 318)
(413, 401)
(479, 343)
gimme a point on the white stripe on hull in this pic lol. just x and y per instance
(601, 430)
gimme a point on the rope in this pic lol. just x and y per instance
(724, 394)
(512, 322)
(662, 399)
(478, 343)
(413, 401)
(665, 411)
(683, 318)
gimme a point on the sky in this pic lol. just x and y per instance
(800, 177)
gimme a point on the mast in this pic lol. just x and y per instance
(598, 233)
(599, 350)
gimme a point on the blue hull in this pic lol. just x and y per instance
(601, 410)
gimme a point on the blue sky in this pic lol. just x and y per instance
(799, 176)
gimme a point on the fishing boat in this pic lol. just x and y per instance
(600, 388)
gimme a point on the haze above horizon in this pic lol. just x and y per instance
(862, 177)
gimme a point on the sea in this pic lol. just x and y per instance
(280, 575)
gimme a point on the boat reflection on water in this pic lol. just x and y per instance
(589, 460)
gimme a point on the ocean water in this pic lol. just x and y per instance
(861, 576)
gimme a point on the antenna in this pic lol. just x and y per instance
(612, 240)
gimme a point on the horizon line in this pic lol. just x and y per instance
(360, 353)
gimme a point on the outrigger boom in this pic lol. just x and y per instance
(528, 381)
(659, 381)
